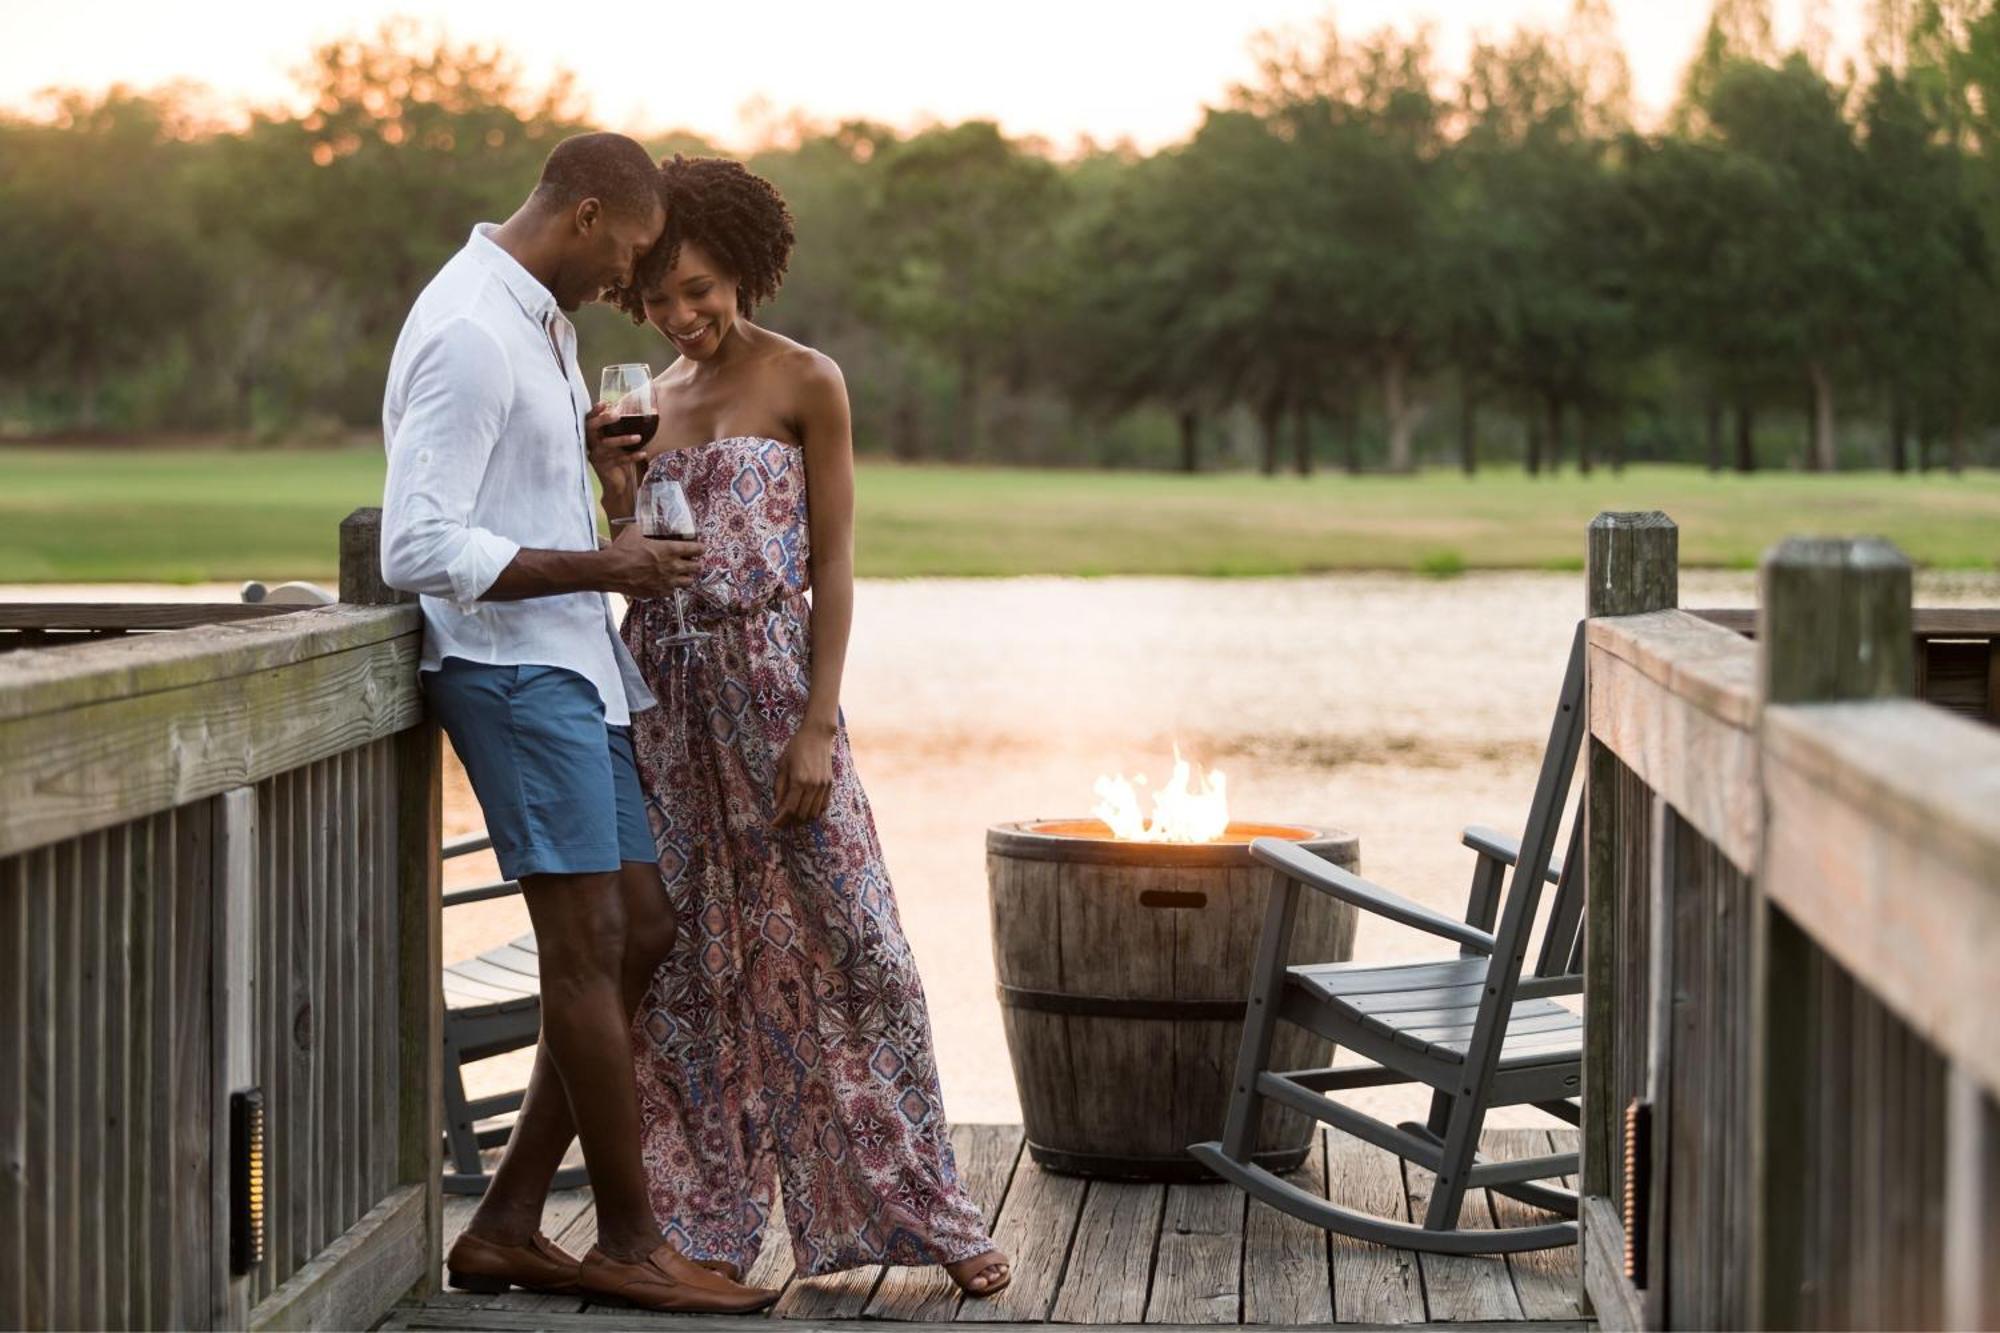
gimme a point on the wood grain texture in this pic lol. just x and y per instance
(1371, 1284)
(1109, 1274)
(89, 767)
(1548, 1282)
(361, 562)
(1877, 849)
(1602, 1253)
(1833, 621)
(1287, 1264)
(35, 683)
(356, 1279)
(1701, 762)
(1198, 1276)
(1631, 563)
(133, 615)
(1037, 1221)
(420, 994)
(986, 1157)
(1688, 657)
(1462, 1287)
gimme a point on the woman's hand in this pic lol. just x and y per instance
(615, 459)
(805, 775)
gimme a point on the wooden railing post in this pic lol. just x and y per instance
(1632, 567)
(420, 909)
(361, 562)
(1833, 626)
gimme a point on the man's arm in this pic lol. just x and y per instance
(456, 406)
(632, 565)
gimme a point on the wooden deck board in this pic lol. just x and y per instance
(986, 1157)
(1287, 1276)
(1468, 1288)
(1198, 1275)
(1108, 1253)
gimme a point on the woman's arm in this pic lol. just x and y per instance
(805, 776)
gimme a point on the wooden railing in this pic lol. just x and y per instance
(1794, 922)
(218, 873)
(1955, 650)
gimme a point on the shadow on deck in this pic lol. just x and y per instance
(1098, 1252)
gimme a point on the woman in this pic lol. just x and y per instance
(786, 1038)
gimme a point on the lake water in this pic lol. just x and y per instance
(1396, 707)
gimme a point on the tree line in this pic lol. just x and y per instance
(1356, 260)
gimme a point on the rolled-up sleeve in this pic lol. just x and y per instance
(455, 400)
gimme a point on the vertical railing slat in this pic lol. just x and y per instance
(15, 953)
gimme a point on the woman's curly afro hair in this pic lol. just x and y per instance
(729, 211)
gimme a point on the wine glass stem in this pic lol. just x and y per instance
(680, 613)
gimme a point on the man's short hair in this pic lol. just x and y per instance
(615, 170)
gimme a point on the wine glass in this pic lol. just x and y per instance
(628, 391)
(664, 514)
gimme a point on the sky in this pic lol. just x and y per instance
(1057, 69)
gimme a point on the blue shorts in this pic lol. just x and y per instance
(559, 787)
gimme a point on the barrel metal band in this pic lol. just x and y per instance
(1113, 1006)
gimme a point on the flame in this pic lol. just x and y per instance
(1192, 807)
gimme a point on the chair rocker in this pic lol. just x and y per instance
(1473, 1028)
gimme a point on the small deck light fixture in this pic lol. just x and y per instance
(246, 1180)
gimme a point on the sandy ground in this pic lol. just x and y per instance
(1396, 707)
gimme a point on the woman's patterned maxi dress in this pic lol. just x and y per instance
(786, 1038)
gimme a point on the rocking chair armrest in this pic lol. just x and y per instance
(1337, 882)
(1499, 847)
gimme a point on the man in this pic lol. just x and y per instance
(488, 513)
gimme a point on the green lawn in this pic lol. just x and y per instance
(188, 515)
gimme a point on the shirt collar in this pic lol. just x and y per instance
(537, 300)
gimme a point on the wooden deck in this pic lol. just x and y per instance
(1090, 1252)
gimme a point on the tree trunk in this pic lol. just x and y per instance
(1302, 454)
(1268, 421)
(1899, 435)
(1554, 407)
(1350, 436)
(1537, 424)
(1715, 435)
(1926, 448)
(1823, 459)
(905, 442)
(1395, 372)
(969, 439)
(1190, 442)
(1468, 426)
(1746, 438)
(1957, 455)
(1586, 424)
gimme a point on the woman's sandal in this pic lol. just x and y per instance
(996, 1280)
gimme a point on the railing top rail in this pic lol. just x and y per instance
(1913, 768)
(100, 734)
(1926, 622)
(1690, 657)
(39, 681)
(1883, 844)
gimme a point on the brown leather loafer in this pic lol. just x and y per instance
(475, 1264)
(668, 1280)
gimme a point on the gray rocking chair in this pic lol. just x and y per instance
(1472, 1028)
(492, 1005)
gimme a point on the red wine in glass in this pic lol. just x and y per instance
(644, 426)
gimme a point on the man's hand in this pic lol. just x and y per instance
(641, 566)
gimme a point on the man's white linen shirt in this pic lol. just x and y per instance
(483, 421)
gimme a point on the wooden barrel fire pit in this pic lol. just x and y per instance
(1123, 968)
